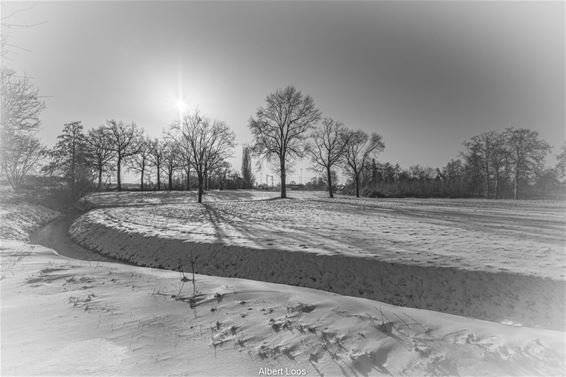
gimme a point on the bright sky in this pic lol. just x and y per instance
(425, 75)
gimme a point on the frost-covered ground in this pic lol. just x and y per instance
(62, 316)
(67, 317)
(495, 260)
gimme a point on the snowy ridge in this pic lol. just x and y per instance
(497, 296)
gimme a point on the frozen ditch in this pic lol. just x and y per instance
(274, 251)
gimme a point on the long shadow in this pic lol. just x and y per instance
(216, 220)
(289, 232)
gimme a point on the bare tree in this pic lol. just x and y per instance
(70, 158)
(280, 128)
(100, 151)
(211, 143)
(156, 158)
(248, 177)
(360, 149)
(526, 154)
(20, 106)
(20, 158)
(172, 159)
(498, 158)
(328, 146)
(561, 163)
(125, 141)
(185, 155)
(141, 161)
(488, 153)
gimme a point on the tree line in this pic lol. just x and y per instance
(194, 153)
(196, 146)
(494, 165)
(508, 164)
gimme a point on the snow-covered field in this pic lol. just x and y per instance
(62, 316)
(496, 260)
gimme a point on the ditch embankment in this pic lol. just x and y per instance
(524, 299)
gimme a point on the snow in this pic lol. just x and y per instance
(18, 221)
(62, 316)
(501, 261)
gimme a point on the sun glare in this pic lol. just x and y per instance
(181, 106)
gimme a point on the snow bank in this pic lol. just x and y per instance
(17, 221)
(112, 319)
(293, 242)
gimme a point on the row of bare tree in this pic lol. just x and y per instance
(508, 164)
(195, 143)
(288, 127)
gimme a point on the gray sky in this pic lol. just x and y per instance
(425, 75)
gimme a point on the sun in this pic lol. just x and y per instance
(181, 105)
(181, 108)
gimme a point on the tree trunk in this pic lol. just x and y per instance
(283, 187)
(487, 192)
(329, 180)
(189, 178)
(141, 181)
(99, 179)
(496, 185)
(516, 189)
(200, 186)
(170, 179)
(118, 172)
(357, 183)
(158, 177)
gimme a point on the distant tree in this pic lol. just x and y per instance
(489, 153)
(211, 143)
(248, 177)
(280, 128)
(172, 159)
(157, 151)
(329, 141)
(70, 158)
(498, 159)
(140, 162)
(221, 174)
(125, 141)
(185, 155)
(99, 149)
(547, 184)
(360, 149)
(20, 158)
(561, 163)
(20, 150)
(473, 168)
(526, 155)
(452, 176)
(20, 105)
